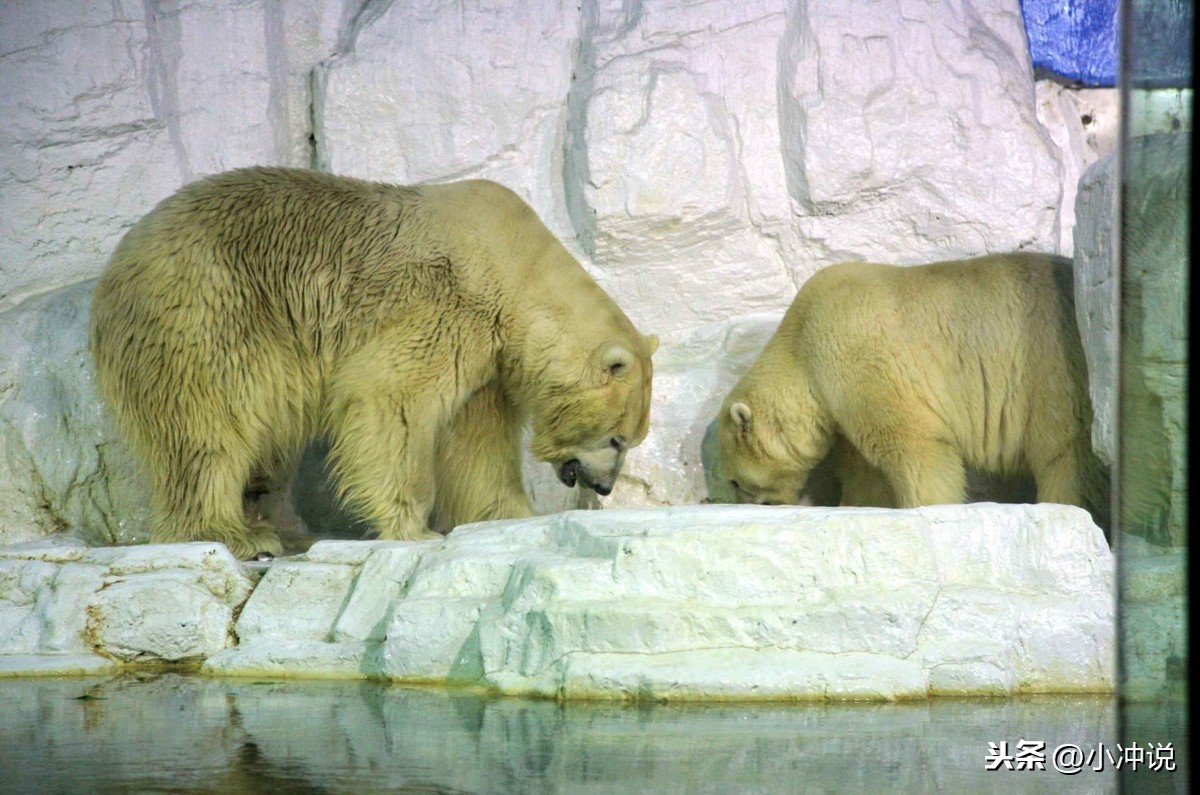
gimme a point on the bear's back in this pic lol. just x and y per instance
(293, 220)
(275, 252)
(1015, 309)
(986, 302)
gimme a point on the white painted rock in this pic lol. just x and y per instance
(432, 92)
(167, 602)
(726, 151)
(107, 108)
(718, 154)
(83, 149)
(63, 466)
(1097, 293)
(1085, 125)
(712, 602)
(703, 159)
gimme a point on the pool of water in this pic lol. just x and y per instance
(177, 733)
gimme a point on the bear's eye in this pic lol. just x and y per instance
(735, 485)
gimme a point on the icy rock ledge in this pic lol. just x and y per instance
(700, 602)
(68, 608)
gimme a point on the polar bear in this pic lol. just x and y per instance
(417, 328)
(907, 376)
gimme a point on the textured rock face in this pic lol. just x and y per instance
(61, 465)
(708, 603)
(80, 605)
(717, 153)
(701, 159)
(1097, 296)
(76, 124)
(695, 603)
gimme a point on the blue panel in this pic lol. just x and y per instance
(1074, 39)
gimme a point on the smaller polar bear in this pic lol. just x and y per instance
(415, 328)
(908, 376)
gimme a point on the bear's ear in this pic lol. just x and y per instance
(651, 343)
(740, 413)
(617, 361)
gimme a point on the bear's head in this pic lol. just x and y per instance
(593, 411)
(765, 457)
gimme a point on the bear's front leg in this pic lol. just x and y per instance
(479, 462)
(925, 472)
(382, 458)
(911, 446)
(1059, 475)
(862, 484)
(383, 452)
(920, 468)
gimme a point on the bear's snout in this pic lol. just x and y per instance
(576, 471)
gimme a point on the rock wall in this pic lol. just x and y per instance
(715, 153)
(701, 159)
(62, 466)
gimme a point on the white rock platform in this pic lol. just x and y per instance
(668, 604)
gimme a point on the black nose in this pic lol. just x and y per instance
(603, 489)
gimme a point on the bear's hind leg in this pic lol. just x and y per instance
(479, 463)
(1060, 477)
(198, 496)
(1057, 483)
(269, 502)
(1077, 477)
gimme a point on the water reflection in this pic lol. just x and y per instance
(186, 734)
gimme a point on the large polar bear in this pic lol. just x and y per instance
(907, 376)
(417, 328)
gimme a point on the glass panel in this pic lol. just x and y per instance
(1151, 499)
